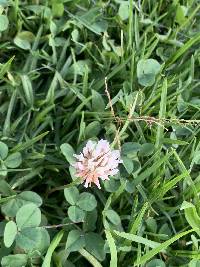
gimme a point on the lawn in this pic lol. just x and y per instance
(99, 133)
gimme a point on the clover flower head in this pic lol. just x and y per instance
(97, 161)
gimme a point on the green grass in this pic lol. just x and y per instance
(125, 71)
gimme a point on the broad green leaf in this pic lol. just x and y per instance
(3, 150)
(57, 9)
(29, 239)
(10, 233)
(100, 26)
(147, 69)
(3, 169)
(30, 197)
(5, 188)
(87, 201)
(186, 205)
(111, 185)
(181, 12)
(156, 263)
(92, 129)
(4, 3)
(191, 215)
(97, 102)
(151, 224)
(194, 263)
(73, 172)
(24, 39)
(94, 244)
(113, 217)
(129, 187)
(146, 149)
(75, 35)
(165, 231)
(13, 160)
(71, 195)
(79, 68)
(76, 214)
(3, 23)
(196, 157)
(53, 29)
(124, 11)
(44, 243)
(90, 221)
(130, 148)
(28, 215)
(17, 260)
(128, 164)
(68, 152)
(75, 241)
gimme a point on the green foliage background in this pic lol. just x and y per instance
(54, 58)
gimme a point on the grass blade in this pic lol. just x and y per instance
(52, 247)
(113, 250)
(182, 50)
(161, 247)
(92, 260)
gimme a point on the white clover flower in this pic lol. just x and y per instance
(97, 161)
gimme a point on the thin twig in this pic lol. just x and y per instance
(57, 225)
(117, 119)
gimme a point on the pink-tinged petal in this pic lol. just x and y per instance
(80, 166)
(89, 178)
(86, 184)
(102, 147)
(115, 154)
(104, 177)
(96, 162)
(80, 157)
(88, 148)
(102, 161)
(113, 163)
(74, 165)
(96, 181)
(85, 151)
(113, 172)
